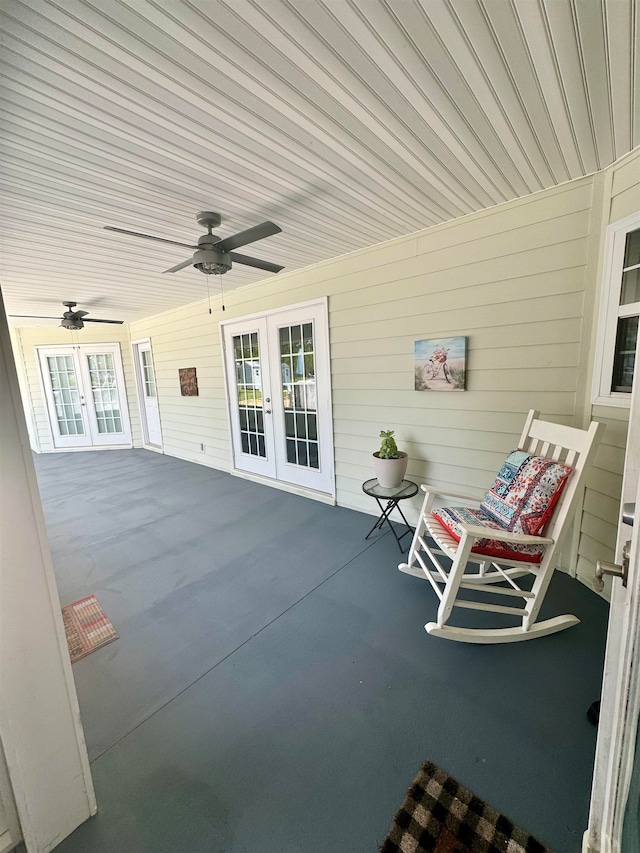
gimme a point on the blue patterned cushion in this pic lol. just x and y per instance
(451, 516)
(525, 492)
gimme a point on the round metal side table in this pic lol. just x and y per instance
(406, 489)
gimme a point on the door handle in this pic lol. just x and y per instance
(629, 513)
(267, 411)
(613, 569)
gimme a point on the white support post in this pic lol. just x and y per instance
(40, 724)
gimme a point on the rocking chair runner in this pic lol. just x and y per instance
(490, 538)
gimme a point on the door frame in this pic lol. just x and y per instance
(42, 736)
(142, 409)
(322, 355)
(620, 704)
(48, 397)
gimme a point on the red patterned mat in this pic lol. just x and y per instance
(86, 626)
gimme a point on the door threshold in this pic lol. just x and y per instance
(303, 491)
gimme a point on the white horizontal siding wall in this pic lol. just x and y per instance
(602, 499)
(511, 278)
(193, 428)
(625, 187)
(27, 338)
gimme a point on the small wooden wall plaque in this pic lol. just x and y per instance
(188, 381)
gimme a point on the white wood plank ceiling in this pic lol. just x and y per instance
(344, 121)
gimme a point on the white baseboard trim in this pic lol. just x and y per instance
(286, 487)
(87, 449)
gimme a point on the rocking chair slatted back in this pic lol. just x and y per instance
(557, 442)
(569, 446)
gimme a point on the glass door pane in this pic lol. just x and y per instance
(66, 397)
(299, 398)
(105, 393)
(148, 375)
(246, 351)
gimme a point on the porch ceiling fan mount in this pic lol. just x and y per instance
(214, 255)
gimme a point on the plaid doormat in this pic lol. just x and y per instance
(441, 816)
(86, 626)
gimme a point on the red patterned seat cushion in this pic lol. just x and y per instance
(451, 517)
(525, 492)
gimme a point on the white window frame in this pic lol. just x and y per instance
(610, 311)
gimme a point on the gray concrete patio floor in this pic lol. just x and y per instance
(273, 689)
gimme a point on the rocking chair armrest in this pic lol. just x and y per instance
(479, 532)
(450, 493)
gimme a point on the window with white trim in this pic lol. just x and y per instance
(619, 312)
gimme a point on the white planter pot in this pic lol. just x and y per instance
(390, 472)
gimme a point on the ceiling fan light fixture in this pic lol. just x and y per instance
(212, 261)
(209, 268)
(70, 324)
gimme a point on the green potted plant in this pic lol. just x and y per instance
(389, 463)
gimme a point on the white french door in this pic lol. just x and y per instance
(85, 395)
(147, 393)
(277, 368)
(250, 405)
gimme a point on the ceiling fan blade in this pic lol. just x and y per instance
(258, 232)
(181, 266)
(254, 262)
(147, 236)
(78, 315)
(35, 316)
(93, 320)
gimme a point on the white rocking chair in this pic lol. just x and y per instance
(484, 553)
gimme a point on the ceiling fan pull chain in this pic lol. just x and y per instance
(222, 293)
(209, 294)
